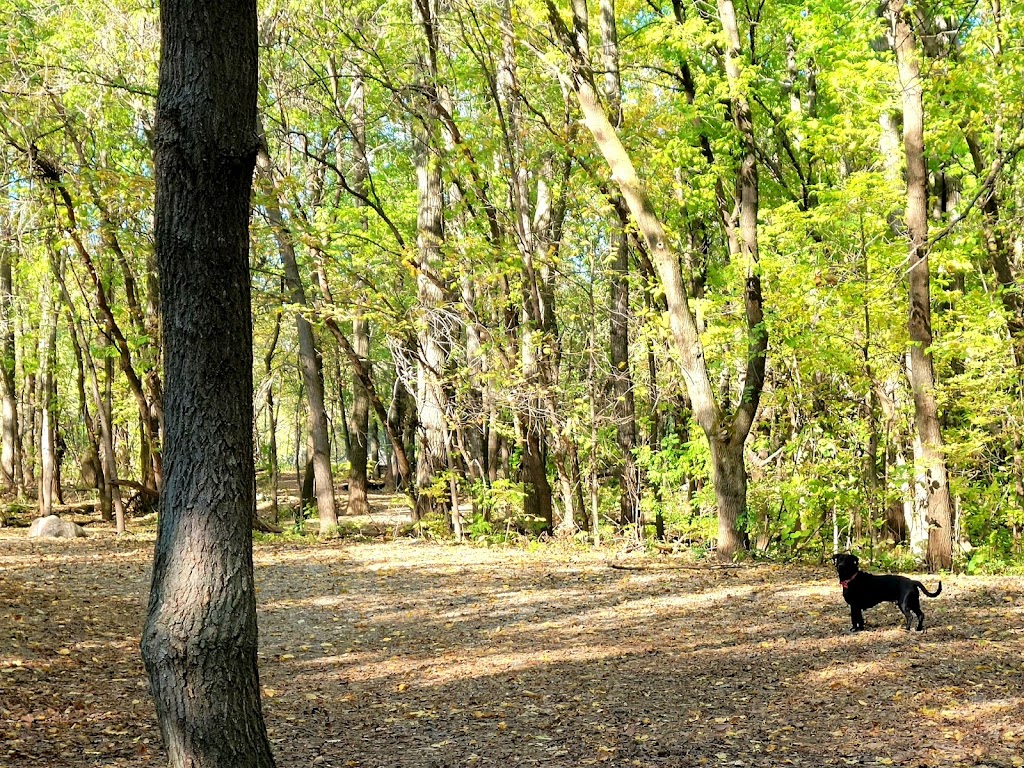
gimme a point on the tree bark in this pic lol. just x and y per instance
(200, 637)
(921, 370)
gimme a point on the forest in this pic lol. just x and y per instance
(478, 382)
(741, 277)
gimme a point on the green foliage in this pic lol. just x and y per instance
(79, 82)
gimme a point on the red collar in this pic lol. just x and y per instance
(846, 584)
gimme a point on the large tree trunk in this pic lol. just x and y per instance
(199, 640)
(434, 329)
(431, 448)
(921, 370)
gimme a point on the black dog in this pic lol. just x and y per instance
(864, 590)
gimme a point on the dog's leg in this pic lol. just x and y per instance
(909, 616)
(911, 606)
(856, 618)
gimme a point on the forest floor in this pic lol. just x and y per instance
(408, 653)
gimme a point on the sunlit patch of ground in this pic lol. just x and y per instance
(381, 655)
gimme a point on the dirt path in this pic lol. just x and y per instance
(428, 656)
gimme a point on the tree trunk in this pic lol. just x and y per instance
(396, 417)
(618, 331)
(29, 429)
(310, 362)
(434, 337)
(113, 503)
(358, 503)
(921, 370)
(92, 473)
(272, 458)
(729, 475)
(431, 453)
(47, 402)
(726, 436)
(200, 637)
(10, 436)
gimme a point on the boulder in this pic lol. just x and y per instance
(53, 527)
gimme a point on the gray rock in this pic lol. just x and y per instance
(53, 527)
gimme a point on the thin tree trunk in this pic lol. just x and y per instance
(199, 641)
(310, 361)
(275, 467)
(108, 459)
(47, 400)
(871, 407)
(29, 429)
(358, 502)
(92, 472)
(10, 435)
(921, 370)
(618, 331)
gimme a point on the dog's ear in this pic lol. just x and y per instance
(835, 558)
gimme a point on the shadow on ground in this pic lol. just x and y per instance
(427, 656)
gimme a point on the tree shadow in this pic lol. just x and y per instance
(413, 654)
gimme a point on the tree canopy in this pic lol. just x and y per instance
(480, 211)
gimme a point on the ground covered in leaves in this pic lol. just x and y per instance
(424, 655)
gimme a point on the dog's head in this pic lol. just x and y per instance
(846, 565)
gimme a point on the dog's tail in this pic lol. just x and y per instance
(936, 593)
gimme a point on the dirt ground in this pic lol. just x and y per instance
(413, 654)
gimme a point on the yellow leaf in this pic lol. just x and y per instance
(64, 652)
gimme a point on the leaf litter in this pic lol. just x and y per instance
(421, 655)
